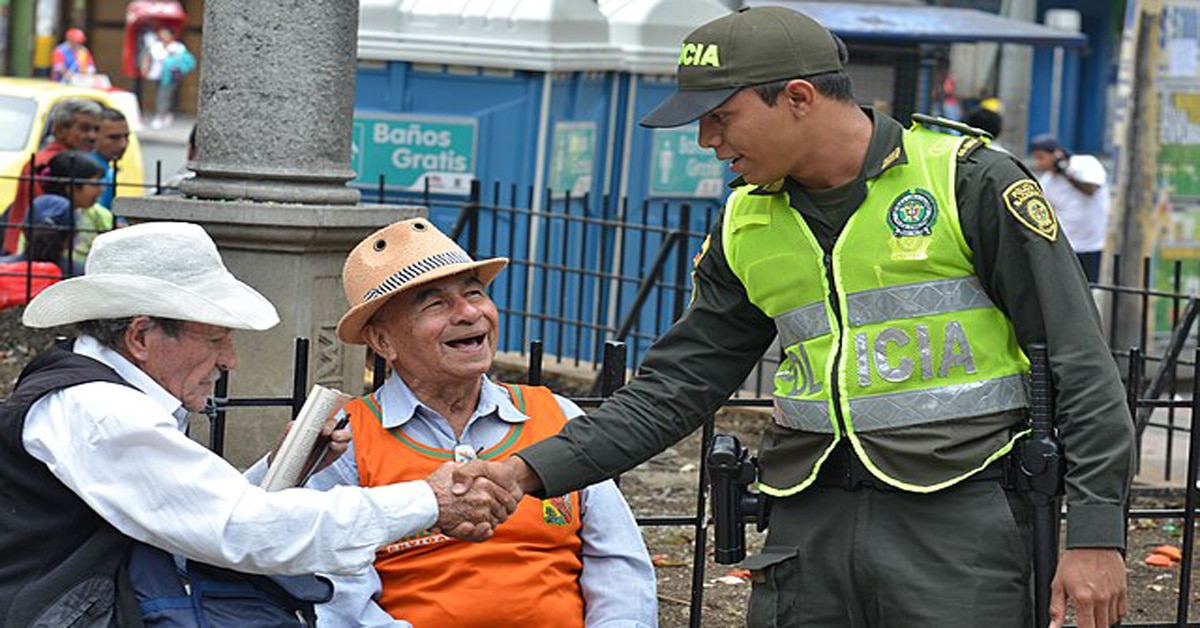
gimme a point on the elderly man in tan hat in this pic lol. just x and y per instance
(96, 457)
(419, 301)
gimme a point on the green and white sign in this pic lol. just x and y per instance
(680, 167)
(572, 158)
(409, 150)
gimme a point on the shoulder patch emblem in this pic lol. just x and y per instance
(1025, 201)
(912, 214)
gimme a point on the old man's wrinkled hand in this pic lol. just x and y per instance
(469, 512)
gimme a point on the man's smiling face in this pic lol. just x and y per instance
(439, 334)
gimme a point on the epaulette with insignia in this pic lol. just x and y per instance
(891, 157)
(969, 146)
(773, 187)
(947, 123)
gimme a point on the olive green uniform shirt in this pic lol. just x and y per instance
(694, 367)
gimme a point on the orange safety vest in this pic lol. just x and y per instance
(525, 575)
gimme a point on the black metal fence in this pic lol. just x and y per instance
(583, 271)
(1140, 406)
(1145, 316)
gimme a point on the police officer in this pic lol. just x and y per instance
(902, 270)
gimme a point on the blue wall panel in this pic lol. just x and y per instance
(1087, 76)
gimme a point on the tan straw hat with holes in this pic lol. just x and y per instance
(403, 255)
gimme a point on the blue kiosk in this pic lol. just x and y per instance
(517, 96)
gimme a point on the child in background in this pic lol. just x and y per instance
(69, 203)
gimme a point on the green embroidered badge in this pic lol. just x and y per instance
(912, 214)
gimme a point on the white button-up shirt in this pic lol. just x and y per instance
(1084, 218)
(123, 451)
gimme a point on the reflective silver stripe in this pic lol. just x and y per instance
(802, 323)
(916, 299)
(803, 415)
(906, 409)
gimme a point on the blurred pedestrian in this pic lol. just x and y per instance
(71, 57)
(168, 62)
(112, 139)
(73, 123)
(1076, 186)
(951, 106)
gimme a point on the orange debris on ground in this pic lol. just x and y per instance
(1170, 551)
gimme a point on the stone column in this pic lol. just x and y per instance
(276, 102)
(273, 159)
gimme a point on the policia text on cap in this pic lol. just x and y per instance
(902, 270)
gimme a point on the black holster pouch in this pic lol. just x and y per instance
(731, 472)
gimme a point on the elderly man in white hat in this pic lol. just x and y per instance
(419, 301)
(96, 458)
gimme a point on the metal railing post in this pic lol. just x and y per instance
(682, 262)
(700, 529)
(656, 269)
(216, 415)
(299, 375)
(1189, 509)
(612, 375)
(535, 363)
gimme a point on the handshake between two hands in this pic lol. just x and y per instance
(474, 497)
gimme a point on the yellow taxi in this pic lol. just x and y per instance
(25, 105)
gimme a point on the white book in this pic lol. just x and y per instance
(303, 446)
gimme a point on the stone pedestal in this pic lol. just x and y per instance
(293, 255)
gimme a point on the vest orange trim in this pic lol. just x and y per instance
(527, 574)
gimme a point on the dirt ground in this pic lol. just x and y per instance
(667, 485)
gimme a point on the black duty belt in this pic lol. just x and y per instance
(842, 469)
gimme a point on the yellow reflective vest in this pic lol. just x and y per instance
(890, 341)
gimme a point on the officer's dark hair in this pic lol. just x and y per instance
(987, 120)
(110, 332)
(833, 85)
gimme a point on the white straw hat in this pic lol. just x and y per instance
(162, 269)
(403, 255)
